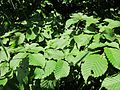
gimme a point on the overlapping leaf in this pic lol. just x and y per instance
(62, 69)
(82, 39)
(113, 56)
(94, 65)
(37, 60)
(38, 73)
(112, 83)
(14, 63)
(49, 68)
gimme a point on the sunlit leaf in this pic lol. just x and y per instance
(37, 60)
(3, 81)
(113, 56)
(94, 65)
(14, 63)
(62, 69)
(112, 83)
(49, 68)
(82, 39)
(53, 53)
(4, 68)
(38, 73)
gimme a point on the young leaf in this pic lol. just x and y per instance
(37, 60)
(112, 83)
(113, 56)
(94, 65)
(62, 69)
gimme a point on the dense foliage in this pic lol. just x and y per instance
(59, 45)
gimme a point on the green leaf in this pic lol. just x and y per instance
(75, 50)
(112, 23)
(30, 35)
(4, 68)
(97, 38)
(3, 81)
(40, 38)
(109, 34)
(37, 60)
(74, 19)
(112, 83)
(113, 56)
(69, 22)
(112, 44)
(23, 71)
(21, 38)
(96, 45)
(5, 40)
(59, 43)
(47, 32)
(3, 55)
(94, 65)
(48, 84)
(55, 54)
(89, 20)
(62, 69)
(14, 63)
(82, 39)
(71, 59)
(38, 73)
(34, 47)
(49, 68)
